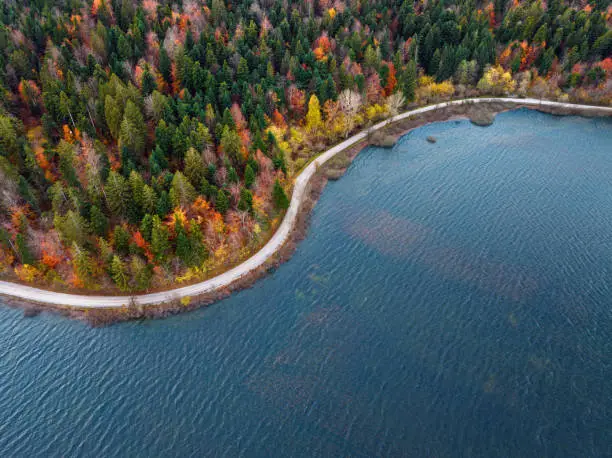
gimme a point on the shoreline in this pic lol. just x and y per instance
(308, 185)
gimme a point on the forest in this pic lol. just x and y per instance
(145, 144)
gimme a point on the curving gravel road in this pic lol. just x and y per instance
(273, 245)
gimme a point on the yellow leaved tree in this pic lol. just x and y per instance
(496, 81)
(313, 117)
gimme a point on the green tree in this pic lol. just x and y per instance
(195, 169)
(72, 227)
(249, 176)
(112, 115)
(133, 129)
(25, 254)
(246, 200)
(410, 81)
(281, 201)
(164, 205)
(183, 247)
(98, 221)
(137, 185)
(148, 82)
(196, 243)
(84, 266)
(182, 192)
(146, 225)
(117, 192)
(221, 202)
(231, 144)
(232, 175)
(8, 137)
(159, 239)
(121, 239)
(119, 273)
(141, 273)
(165, 64)
(149, 199)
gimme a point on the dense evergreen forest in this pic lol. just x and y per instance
(149, 143)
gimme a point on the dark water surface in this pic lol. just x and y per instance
(451, 299)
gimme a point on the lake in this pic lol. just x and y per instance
(450, 299)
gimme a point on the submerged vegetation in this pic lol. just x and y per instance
(149, 143)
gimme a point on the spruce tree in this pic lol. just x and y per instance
(145, 227)
(121, 239)
(84, 265)
(164, 205)
(98, 220)
(112, 115)
(117, 193)
(409, 84)
(25, 254)
(159, 239)
(165, 64)
(195, 169)
(119, 273)
(141, 273)
(182, 192)
(249, 176)
(246, 200)
(183, 247)
(133, 128)
(221, 202)
(281, 201)
(196, 243)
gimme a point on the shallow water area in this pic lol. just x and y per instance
(450, 299)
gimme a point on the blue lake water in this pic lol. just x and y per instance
(451, 299)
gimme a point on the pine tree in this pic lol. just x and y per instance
(8, 136)
(231, 144)
(83, 265)
(410, 77)
(25, 254)
(98, 220)
(141, 273)
(121, 239)
(434, 63)
(159, 239)
(27, 193)
(242, 74)
(117, 193)
(149, 199)
(195, 169)
(182, 192)
(72, 227)
(112, 115)
(183, 247)
(164, 205)
(118, 273)
(196, 243)
(133, 128)
(246, 200)
(146, 226)
(165, 65)
(232, 175)
(221, 202)
(148, 83)
(281, 201)
(137, 185)
(249, 176)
